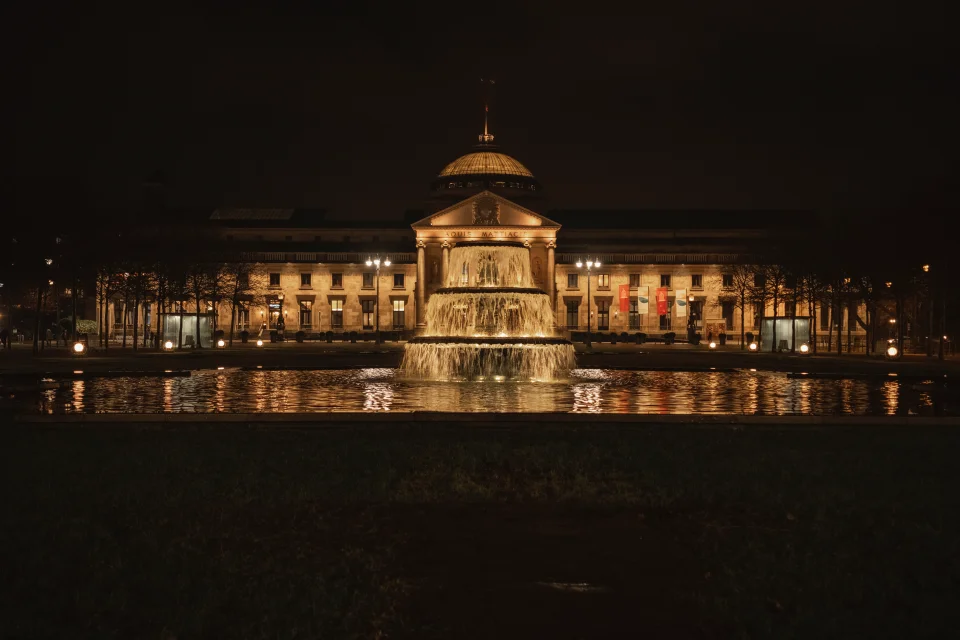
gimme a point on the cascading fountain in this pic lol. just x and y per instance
(488, 321)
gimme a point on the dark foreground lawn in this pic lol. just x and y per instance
(647, 532)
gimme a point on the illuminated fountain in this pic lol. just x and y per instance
(488, 322)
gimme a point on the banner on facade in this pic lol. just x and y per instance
(681, 303)
(643, 299)
(661, 301)
(624, 298)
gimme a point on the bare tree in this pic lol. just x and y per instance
(243, 279)
(742, 290)
(774, 283)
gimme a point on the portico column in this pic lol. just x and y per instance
(552, 274)
(445, 264)
(421, 282)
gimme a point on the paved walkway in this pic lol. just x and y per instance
(320, 355)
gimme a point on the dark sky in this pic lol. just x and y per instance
(726, 107)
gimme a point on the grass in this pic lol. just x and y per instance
(453, 532)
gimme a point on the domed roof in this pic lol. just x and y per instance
(485, 162)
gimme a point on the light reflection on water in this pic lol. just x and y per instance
(586, 391)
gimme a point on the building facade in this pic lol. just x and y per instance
(310, 273)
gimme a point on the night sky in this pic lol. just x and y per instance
(357, 112)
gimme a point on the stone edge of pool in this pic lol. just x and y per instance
(332, 418)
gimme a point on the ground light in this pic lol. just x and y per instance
(221, 344)
(79, 348)
(713, 345)
(753, 346)
(168, 345)
(259, 343)
(804, 348)
(892, 352)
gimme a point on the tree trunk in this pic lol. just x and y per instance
(37, 322)
(180, 328)
(743, 314)
(123, 320)
(930, 326)
(233, 318)
(776, 310)
(73, 302)
(197, 344)
(851, 320)
(136, 313)
(812, 308)
(830, 321)
(839, 326)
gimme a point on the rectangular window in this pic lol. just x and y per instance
(726, 310)
(696, 313)
(243, 318)
(464, 275)
(573, 315)
(634, 280)
(696, 281)
(603, 280)
(603, 315)
(305, 280)
(336, 314)
(634, 316)
(368, 320)
(665, 322)
(665, 280)
(824, 316)
(336, 281)
(274, 279)
(306, 314)
(368, 279)
(759, 280)
(399, 321)
(573, 281)
(398, 281)
(243, 281)
(727, 281)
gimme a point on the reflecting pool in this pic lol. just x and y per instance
(584, 391)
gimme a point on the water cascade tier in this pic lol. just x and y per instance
(489, 322)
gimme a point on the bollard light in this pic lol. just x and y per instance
(221, 344)
(804, 348)
(79, 348)
(892, 351)
(713, 345)
(259, 343)
(168, 345)
(753, 346)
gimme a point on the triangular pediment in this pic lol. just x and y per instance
(486, 209)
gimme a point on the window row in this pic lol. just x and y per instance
(336, 280)
(275, 317)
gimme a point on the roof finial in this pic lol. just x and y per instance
(487, 137)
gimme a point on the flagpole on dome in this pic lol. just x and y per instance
(487, 137)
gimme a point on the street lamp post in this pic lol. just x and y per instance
(590, 265)
(370, 262)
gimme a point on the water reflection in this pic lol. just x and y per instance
(586, 391)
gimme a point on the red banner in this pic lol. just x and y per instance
(662, 301)
(624, 298)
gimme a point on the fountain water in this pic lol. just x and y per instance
(489, 321)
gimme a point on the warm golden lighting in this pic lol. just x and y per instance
(221, 343)
(892, 351)
(259, 343)
(168, 345)
(804, 348)
(892, 321)
(888, 283)
(926, 267)
(713, 345)
(78, 348)
(753, 346)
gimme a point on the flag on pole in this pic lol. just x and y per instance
(643, 299)
(661, 301)
(681, 303)
(624, 298)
